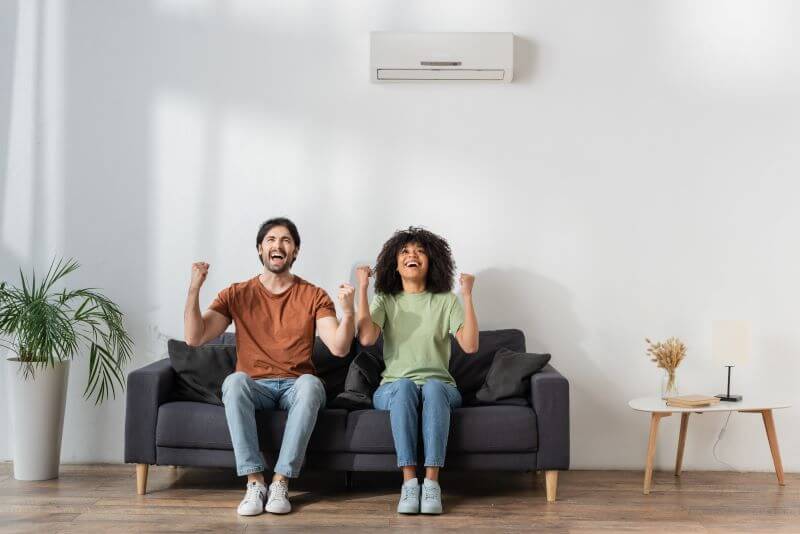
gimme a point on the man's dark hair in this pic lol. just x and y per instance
(272, 223)
(441, 266)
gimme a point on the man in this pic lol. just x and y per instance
(276, 315)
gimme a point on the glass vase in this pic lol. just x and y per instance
(669, 384)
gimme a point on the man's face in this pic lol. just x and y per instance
(412, 262)
(277, 250)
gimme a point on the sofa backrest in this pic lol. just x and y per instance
(468, 370)
(331, 369)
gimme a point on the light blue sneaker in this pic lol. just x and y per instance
(409, 497)
(431, 497)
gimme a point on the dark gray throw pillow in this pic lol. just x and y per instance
(363, 378)
(200, 370)
(508, 379)
(469, 370)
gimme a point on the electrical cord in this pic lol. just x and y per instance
(719, 438)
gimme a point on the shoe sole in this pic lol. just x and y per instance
(278, 512)
(249, 515)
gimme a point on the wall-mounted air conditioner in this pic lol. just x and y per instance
(399, 56)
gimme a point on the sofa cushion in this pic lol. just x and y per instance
(201, 425)
(369, 431)
(487, 429)
(474, 429)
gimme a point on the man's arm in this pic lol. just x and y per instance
(467, 335)
(199, 329)
(368, 331)
(338, 336)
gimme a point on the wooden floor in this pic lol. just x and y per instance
(102, 498)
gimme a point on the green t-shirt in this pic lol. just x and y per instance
(415, 326)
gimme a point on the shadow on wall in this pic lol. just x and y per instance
(542, 309)
(8, 26)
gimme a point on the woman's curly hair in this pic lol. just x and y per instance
(441, 266)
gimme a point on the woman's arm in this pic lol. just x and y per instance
(368, 331)
(467, 335)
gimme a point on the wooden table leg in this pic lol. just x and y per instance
(772, 437)
(651, 449)
(681, 443)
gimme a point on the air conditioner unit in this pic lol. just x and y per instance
(399, 56)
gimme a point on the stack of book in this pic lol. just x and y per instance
(692, 401)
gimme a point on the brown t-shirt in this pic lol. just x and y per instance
(274, 333)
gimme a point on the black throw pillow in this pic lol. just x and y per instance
(363, 378)
(469, 370)
(200, 370)
(508, 378)
(332, 370)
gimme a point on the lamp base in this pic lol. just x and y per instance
(728, 398)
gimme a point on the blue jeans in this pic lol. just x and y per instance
(403, 398)
(304, 397)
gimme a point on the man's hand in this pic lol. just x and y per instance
(347, 298)
(466, 281)
(199, 274)
(362, 275)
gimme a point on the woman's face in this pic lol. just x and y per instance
(412, 262)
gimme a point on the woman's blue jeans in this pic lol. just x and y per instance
(403, 399)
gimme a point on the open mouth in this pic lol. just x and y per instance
(277, 256)
(412, 264)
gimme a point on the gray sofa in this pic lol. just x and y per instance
(527, 435)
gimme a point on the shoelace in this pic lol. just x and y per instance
(408, 493)
(430, 492)
(279, 491)
(253, 493)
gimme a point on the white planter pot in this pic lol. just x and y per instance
(37, 418)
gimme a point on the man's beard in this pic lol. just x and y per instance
(287, 264)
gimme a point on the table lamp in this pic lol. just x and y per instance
(730, 345)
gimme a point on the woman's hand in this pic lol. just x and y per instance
(467, 281)
(363, 272)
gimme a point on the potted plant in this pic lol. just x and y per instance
(45, 327)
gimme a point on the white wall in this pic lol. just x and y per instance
(637, 179)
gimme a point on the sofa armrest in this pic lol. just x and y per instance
(550, 401)
(148, 388)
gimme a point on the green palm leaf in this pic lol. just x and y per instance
(43, 326)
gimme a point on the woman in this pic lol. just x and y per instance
(416, 310)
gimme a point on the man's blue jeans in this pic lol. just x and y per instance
(403, 398)
(303, 397)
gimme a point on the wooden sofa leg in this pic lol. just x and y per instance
(141, 478)
(551, 485)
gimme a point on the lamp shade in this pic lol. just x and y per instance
(730, 342)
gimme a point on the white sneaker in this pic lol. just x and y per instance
(431, 498)
(278, 500)
(409, 498)
(253, 502)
